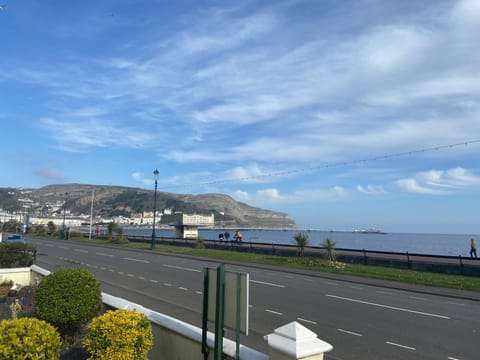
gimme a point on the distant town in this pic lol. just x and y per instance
(57, 213)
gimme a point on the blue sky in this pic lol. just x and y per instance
(275, 103)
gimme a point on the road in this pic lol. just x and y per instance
(360, 321)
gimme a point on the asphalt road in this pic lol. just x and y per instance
(360, 321)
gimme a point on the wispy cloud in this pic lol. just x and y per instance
(51, 174)
(440, 182)
(371, 189)
(79, 136)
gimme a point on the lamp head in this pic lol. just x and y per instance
(155, 174)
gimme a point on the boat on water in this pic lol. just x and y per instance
(369, 231)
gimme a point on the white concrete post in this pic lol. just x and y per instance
(294, 341)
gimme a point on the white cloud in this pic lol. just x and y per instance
(440, 182)
(51, 174)
(79, 136)
(371, 189)
(140, 177)
(273, 196)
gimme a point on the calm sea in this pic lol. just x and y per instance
(433, 244)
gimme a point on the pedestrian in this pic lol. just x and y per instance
(220, 237)
(226, 235)
(238, 236)
(473, 248)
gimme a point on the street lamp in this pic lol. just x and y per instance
(152, 244)
(64, 212)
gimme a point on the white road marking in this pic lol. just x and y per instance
(273, 312)
(417, 298)
(153, 281)
(199, 292)
(356, 287)
(130, 275)
(137, 260)
(454, 303)
(181, 268)
(388, 307)
(121, 273)
(384, 292)
(80, 250)
(103, 268)
(401, 346)
(330, 283)
(182, 288)
(63, 247)
(103, 254)
(267, 283)
(307, 279)
(167, 284)
(141, 278)
(452, 358)
(349, 332)
(307, 321)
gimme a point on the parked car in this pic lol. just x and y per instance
(15, 238)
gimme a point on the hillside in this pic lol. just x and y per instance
(112, 201)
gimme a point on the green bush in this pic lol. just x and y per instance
(301, 239)
(119, 335)
(68, 299)
(28, 338)
(200, 243)
(16, 255)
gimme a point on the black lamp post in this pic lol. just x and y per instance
(64, 211)
(154, 238)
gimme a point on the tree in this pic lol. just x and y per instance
(301, 239)
(40, 230)
(51, 228)
(329, 246)
(115, 233)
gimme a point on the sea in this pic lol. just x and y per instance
(429, 244)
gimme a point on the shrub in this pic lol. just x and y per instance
(68, 299)
(16, 255)
(119, 335)
(329, 246)
(28, 338)
(200, 243)
(301, 239)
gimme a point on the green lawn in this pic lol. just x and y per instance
(376, 272)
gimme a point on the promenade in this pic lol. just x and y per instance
(457, 265)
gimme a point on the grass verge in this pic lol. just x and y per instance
(376, 272)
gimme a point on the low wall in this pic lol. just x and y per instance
(21, 276)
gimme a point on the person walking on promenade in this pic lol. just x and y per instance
(226, 235)
(238, 236)
(473, 248)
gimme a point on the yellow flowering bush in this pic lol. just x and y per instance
(119, 335)
(28, 338)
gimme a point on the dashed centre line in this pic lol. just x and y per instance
(103, 254)
(349, 332)
(307, 321)
(137, 260)
(267, 283)
(80, 250)
(273, 312)
(181, 268)
(401, 346)
(388, 307)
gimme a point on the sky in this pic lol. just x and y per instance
(343, 114)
